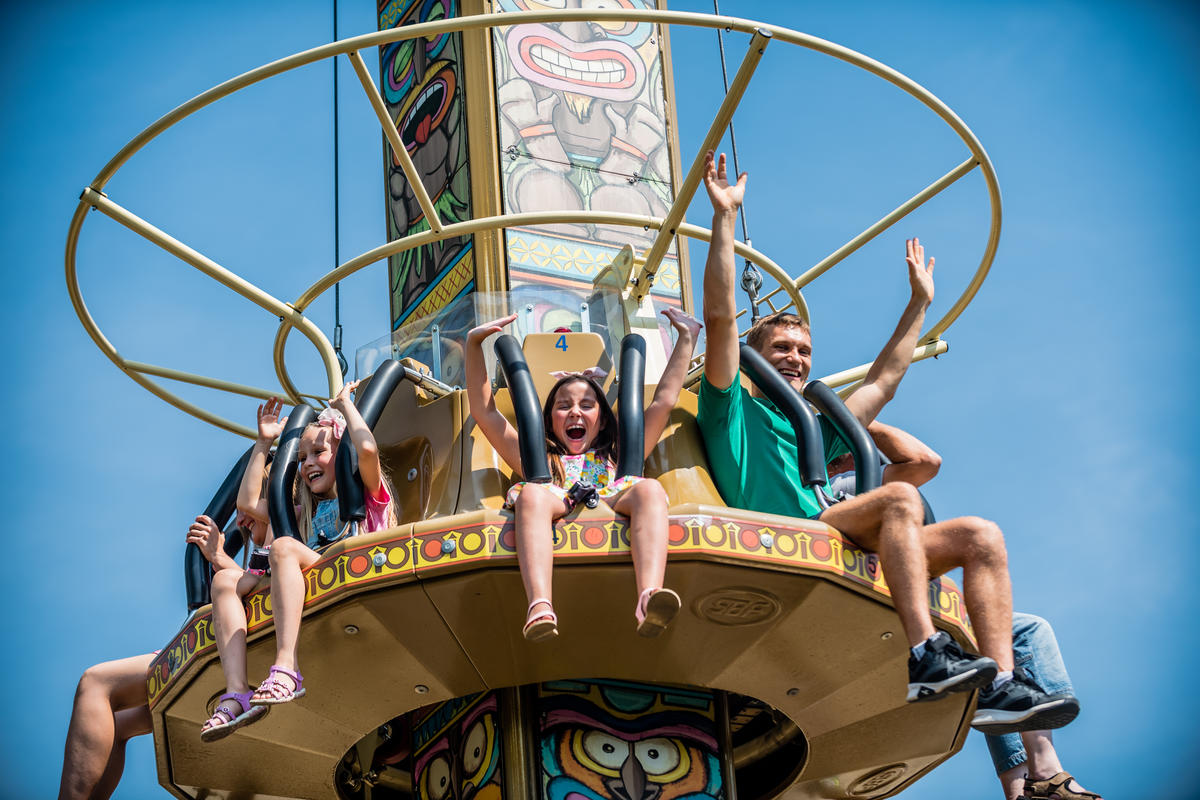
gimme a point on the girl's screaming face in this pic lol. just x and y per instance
(317, 449)
(575, 416)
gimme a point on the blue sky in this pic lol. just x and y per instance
(1063, 410)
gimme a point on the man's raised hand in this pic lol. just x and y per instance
(919, 278)
(725, 197)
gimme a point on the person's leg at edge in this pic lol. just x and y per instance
(128, 723)
(888, 521)
(535, 511)
(104, 690)
(1008, 756)
(977, 546)
(1035, 649)
(645, 503)
(289, 558)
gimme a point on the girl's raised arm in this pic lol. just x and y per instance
(499, 432)
(364, 441)
(250, 498)
(671, 382)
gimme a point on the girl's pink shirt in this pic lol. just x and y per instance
(377, 516)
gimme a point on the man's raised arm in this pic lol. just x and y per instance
(720, 305)
(892, 362)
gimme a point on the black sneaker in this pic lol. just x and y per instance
(945, 668)
(1021, 705)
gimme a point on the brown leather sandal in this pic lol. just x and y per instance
(1056, 788)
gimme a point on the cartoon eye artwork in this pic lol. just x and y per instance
(664, 760)
(603, 752)
(435, 782)
(433, 11)
(632, 33)
(399, 69)
(477, 751)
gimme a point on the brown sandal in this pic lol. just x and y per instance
(1056, 788)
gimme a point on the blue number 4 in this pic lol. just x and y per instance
(561, 344)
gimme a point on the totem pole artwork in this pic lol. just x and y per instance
(423, 88)
(582, 123)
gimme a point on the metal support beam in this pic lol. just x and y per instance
(393, 137)
(854, 374)
(901, 211)
(223, 276)
(210, 383)
(683, 196)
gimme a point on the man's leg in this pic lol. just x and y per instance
(888, 520)
(977, 546)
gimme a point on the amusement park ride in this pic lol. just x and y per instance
(532, 166)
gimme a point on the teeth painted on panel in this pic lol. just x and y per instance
(605, 70)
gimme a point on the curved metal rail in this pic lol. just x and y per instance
(291, 315)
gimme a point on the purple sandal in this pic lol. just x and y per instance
(222, 722)
(273, 692)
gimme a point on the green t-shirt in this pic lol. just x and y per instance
(752, 452)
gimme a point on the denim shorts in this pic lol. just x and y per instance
(1036, 651)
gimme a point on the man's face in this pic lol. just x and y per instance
(789, 350)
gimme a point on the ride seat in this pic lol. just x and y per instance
(420, 448)
(678, 460)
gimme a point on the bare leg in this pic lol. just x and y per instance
(535, 512)
(977, 546)
(129, 723)
(103, 690)
(1042, 763)
(888, 521)
(1013, 781)
(229, 586)
(289, 559)
(645, 503)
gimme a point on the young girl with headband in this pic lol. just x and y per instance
(318, 520)
(581, 441)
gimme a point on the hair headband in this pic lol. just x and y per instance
(332, 418)
(594, 373)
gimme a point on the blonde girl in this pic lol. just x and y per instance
(317, 517)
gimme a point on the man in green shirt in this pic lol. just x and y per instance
(752, 453)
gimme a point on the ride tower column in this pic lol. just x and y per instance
(569, 116)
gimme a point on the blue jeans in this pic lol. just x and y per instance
(1036, 651)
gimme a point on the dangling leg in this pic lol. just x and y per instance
(645, 503)
(233, 710)
(289, 559)
(127, 724)
(103, 691)
(535, 511)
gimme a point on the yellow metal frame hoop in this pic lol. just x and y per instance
(292, 314)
